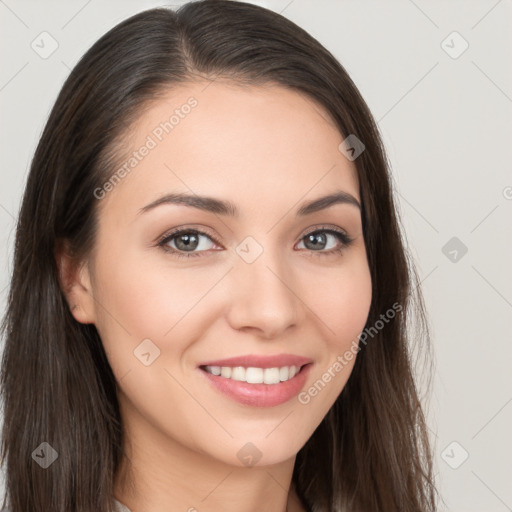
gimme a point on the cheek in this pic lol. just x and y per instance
(341, 300)
(146, 298)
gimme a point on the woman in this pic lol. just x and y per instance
(210, 293)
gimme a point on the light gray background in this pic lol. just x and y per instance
(447, 125)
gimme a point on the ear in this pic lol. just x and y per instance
(75, 283)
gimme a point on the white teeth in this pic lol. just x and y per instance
(253, 375)
(238, 373)
(271, 376)
(225, 371)
(215, 370)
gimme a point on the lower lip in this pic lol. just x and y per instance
(260, 395)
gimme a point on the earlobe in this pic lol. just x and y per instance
(75, 284)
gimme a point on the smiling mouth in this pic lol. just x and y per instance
(255, 375)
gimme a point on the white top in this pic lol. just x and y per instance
(120, 507)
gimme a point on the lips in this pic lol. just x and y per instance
(260, 361)
(258, 395)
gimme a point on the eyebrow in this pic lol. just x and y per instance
(228, 208)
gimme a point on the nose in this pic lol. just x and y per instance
(263, 299)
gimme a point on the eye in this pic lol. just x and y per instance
(318, 240)
(185, 241)
(188, 242)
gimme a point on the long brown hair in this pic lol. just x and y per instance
(371, 452)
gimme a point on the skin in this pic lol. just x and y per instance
(268, 150)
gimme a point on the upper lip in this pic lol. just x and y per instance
(259, 361)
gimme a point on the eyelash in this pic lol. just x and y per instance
(345, 240)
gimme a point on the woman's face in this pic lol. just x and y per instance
(253, 284)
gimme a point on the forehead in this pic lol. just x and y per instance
(254, 145)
